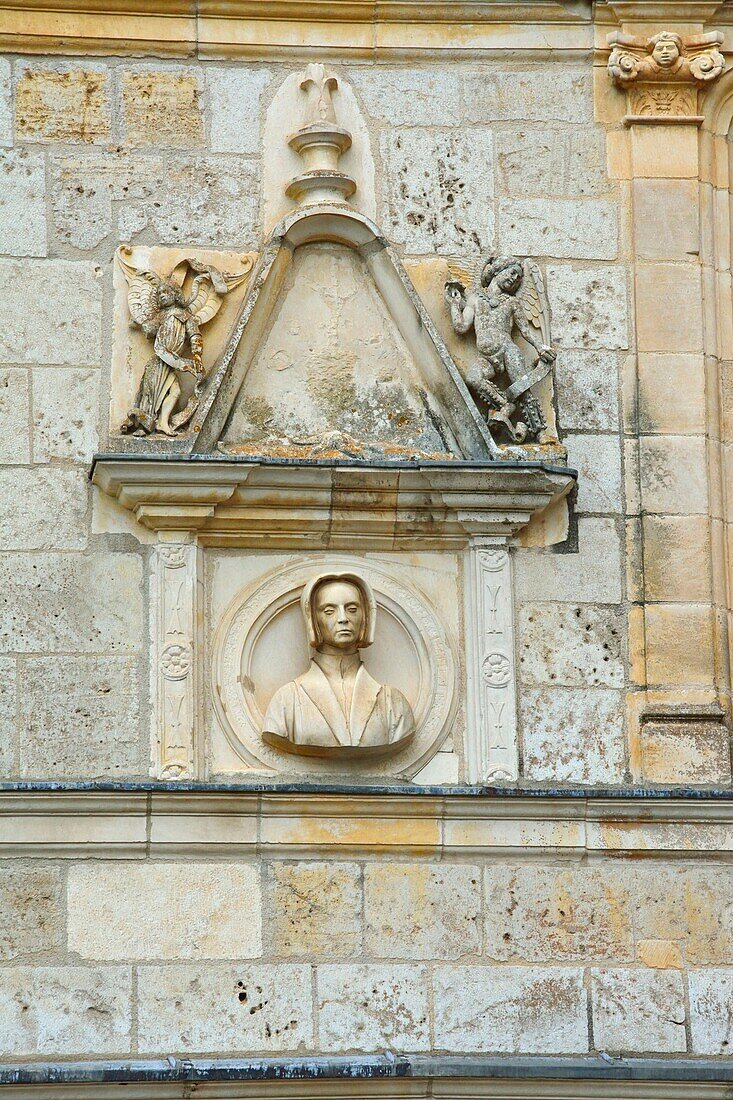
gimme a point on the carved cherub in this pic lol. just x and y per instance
(665, 57)
(164, 312)
(510, 296)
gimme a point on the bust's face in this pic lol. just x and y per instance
(665, 53)
(339, 613)
(509, 279)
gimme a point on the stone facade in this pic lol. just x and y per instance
(543, 871)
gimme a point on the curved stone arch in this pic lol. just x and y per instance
(338, 224)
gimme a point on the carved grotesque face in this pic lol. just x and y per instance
(666, 52)
(338, 609)
(509, 279)
(167, 296)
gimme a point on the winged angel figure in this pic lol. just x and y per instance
(510, 295)
(172, 317)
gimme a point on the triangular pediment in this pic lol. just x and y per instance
(335, 355)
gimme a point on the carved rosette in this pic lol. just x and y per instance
(175, 584)
(663, 74)
(491, 750)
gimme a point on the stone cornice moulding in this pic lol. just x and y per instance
(663, 11)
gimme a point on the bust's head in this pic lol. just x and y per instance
(666, 49)
(339, 611)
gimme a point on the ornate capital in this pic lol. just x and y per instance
(663, 73)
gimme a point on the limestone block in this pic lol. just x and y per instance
(54, 604)
(680, 752)
(560, 228)
(234, 97)
(411, 96)
(537, 95)
(638, 1010)
(668, 308)
(660, 954)
(8, 706)
(189, 200)
(161, 107)
(171, 911)
(711, 995)
(14, 416)
(313, 909)
(31, 911)
(676, 558)
(533, 162)
(597, 458)
(373, 1008)
(6, 103)
(65, 1010)
(22, 203)
(59, 102)
(510, 1010)
(586, 386)
(79, 717)
(440, 189)
(224, 1008)
(573, 735)
(570, 646)
(588, 306)
(673, 474)
(48, 511)
(567, 913)
(679, 644)
(65, 409)
(665, 151)
(415, 911)
(574, 577)
(671, 393)
(666, 219)
(63, 325)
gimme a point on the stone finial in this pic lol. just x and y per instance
(320, 143)
(662, 73)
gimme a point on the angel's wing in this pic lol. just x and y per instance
(534, 300)
(468, 277)
(211, 285)
(142, 298)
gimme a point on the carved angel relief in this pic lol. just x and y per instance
(510, 296)
(663, 73)
(171, 310)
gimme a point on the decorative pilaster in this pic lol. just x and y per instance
(174, 665)
(491, 749)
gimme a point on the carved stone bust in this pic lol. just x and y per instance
(336, 708)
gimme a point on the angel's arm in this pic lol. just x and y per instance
(462, 311)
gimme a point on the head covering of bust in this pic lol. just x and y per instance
(494, 265)
(307, 601)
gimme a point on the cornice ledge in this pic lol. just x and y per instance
(662, 11)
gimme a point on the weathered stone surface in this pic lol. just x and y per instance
(669, 308)
(560, 228)
(551, 162)
(408, 97)
(441, 189)
(193, 201)
(673, 474)
(22, 203)
(574, 736)
(373, 1008)
(573, 578)
(58, 102)
(31, 911)
(671, 393)
(666, 225)
(568, 913)
(537, 95)
(679, 752)
(171, 911)
(676, 558)
(49, 508)
(415, 911)
(63, 325)
(586, 385)
(79, 717)
(224, 1008)
(314, 909)
(162, 107)
(687, 905)
(6, 103)
(597, 458)
(660, 954)
(711, 996)
(65, 407)
(638, 1010)
(570, 646)
(670, 658)
(510, 1009)
(588, 306)
(14, 416)
(8, 708)
(234, 96)
(52, 603)
(65, 1010)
